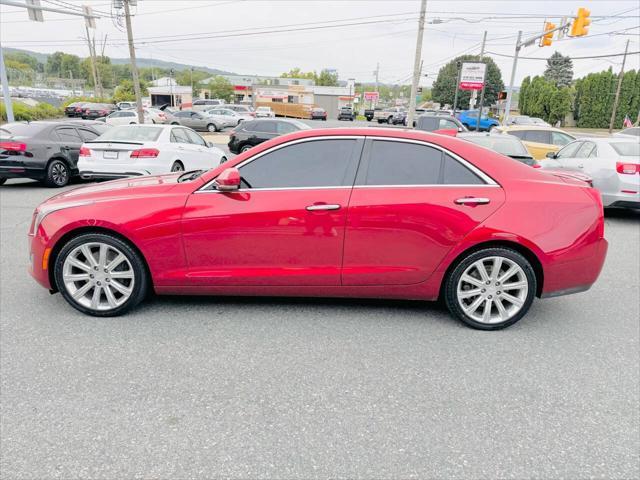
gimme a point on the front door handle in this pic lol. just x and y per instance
(315, 208)
(472, 201)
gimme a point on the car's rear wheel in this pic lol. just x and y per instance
(223, 159)
(245, 148)
(491, 288)
(212, 128)
(57, 174)
(177, 167)
(100, 275)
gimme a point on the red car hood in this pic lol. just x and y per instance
(136, 186)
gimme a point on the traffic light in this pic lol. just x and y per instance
(580, 26)
(547, 38)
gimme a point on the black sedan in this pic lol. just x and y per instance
(97, 110)
(252, 132)
(44, 151)
(75, 109)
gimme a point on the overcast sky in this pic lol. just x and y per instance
(243, 47)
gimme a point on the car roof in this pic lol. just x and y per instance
(430, 115)
(608, 139)
(531, 127)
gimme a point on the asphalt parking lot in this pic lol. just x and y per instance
(296, 388)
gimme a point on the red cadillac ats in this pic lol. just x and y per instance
(331, 212)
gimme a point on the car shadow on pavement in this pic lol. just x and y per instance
(622, 213)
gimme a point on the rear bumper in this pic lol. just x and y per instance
(9, 171)
(625, 204)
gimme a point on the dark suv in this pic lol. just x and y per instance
(252, 132)
(346, 113)
(45, 151)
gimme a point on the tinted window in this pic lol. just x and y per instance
(455, 173)
(181, 114)
(284, 127)
(319, 163)
(199, 102)
(400, 163)
(569, 151)
(427, 124)
(558, 138)
(266, 127)
(195, 138)
(87, 135)
(178, 135)
(25, 129)
(518, 133)
(68, 135)
(537, 136)
(132, 133)
(504, 144)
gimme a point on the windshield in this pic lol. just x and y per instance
(130, 133)
(300, 125)
(511, 147)
(627, 149)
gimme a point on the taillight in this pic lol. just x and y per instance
(536, 165)
(627, 168)
(84, 152)
(13, 146)
(145, 153)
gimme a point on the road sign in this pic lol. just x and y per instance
(371, 96)
(472, 75)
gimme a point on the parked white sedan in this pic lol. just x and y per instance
(264, 112)
(125, 117)
(134, 150)
(612, 163)
(228, 118)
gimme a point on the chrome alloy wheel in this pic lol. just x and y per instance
(98, 276)
(492, 290)
(59, 173)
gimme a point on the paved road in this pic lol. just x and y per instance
(280, 388)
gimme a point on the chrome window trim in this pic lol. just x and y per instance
(489, 182)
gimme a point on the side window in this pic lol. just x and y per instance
(178, 136)
(87, 135)
(428, 124)
(558, 138)
(199, 102)
(518, 133)
(317, 163)
(570, 150)
(68, 135)
(448, 124)
(265, 127)
(284, 127)
(401, 163)
(537, 136)
(585, 150)
(455, 173)
(195, 138)
(116, 115)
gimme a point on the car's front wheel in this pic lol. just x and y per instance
(212, 128)
(491, 288)
(245, 148)
(100, 275)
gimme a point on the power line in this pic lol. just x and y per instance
(572, 58)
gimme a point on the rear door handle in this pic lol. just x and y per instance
(315, 208)
(472, 201)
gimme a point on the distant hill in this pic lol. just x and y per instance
(142, 62)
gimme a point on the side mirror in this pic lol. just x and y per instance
(209, 144)
(228, 180)
(460, 129)
(552, 155)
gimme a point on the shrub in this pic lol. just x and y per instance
(27, 113)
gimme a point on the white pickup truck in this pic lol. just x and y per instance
(386, 115)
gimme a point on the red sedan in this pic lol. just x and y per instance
(382, 213)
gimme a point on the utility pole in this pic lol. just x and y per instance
(8, 105)
(455, 96)
(416, 63)
(474, 94)
(507, 109)
(617, 99)
(134, 67)
(94, 67)
(484, 41)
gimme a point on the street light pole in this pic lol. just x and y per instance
(134, 67)
(416, 63)
(455, 96)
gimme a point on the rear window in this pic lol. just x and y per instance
(500, 143)
(131, 133)
(23, 129)
(627, 149)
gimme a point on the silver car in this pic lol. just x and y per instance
(228, 118)
(612, 163)
(197, 121)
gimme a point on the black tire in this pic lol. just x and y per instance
(245, 148)
(175, 123)
(390, 121)
(177, 167)
(2, 180)
(141, 278)
(379, 120)
(451, 286)
(58, 174)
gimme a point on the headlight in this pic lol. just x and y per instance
(42, 211)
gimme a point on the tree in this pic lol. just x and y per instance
(326, 78)
(125, 92)
(559, 70)
(59, 64)
(187, 76)
(444, 88)
(220, 87)
(24, 59)
(541, 98)
(522, 96)
(297, 73)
